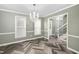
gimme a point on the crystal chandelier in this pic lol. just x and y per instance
(34, 15)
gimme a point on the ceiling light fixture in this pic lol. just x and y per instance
(34, 15)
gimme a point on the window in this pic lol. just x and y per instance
(20, 26)
(37, 27)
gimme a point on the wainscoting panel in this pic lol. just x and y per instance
(7, 38)
(73, 43)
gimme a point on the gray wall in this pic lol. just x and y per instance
(73, 20)
(7, 24)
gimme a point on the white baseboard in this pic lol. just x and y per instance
(7, 33)
(20, 41)
(73, 50)
(45, 37)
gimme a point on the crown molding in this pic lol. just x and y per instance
(12, 11)
(60, 10)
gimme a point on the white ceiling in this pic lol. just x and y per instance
(43, 9)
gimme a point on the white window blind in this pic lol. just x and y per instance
(20, 26)
(37, 27)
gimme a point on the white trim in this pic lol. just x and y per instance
(20, 41)
(62, 26)
(58, 26)
(74, 36)
(12, 11)
(60, 10)
(29, 31)
(35, 38)
(73, 50)
(45, 37)
(48, 28)
(7, 33)
(33, 31)
(15, 26)
(63, 40)
(67, 30)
